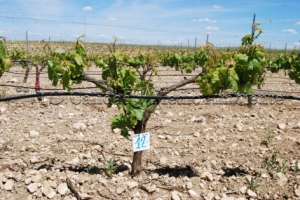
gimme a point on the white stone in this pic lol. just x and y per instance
(250, 193)
(196, 134)
(282, 179)
(117, 131)
(281, 126)
(27, 181)
(120, 190)
(9, 185)
(192, 193)
(250, 128)
(132, 184)
(297, 126)
(80, 135)
(136, 194)
(189, 185)
(103, 182)
(87, 155)
(33, 133)
(74, 161)
(243, 189)
(2, 110)
(207, 176)
(79, 126)
(174, 195)
(198, 119)
(85, 196)
(52, 184)
(47, 190)
(297, 192)
(264, 176)
(62, 189)
(163, 160)
(8, 174)
(71, 114)
(209, 196)
(170, 114)
(32, 187)
(239, 126)
(43, 171)
(34, 160)
(154, 176)
(151, 188)
(60, 116)
(13, 80)
(18, 177)
(36, 178)
(45, 102)
(161, 137)
(167, 121)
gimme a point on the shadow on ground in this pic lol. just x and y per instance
(237, 171)
(175, 171)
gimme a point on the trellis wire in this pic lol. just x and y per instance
(215, 96)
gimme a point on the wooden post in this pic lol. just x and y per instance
(253, 25)
(27, 50)
(84, 30)
(49, 44)
(285, 48)
(253, 31)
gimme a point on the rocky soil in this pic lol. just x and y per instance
(205, 151)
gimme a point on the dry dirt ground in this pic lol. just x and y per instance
(204, 151)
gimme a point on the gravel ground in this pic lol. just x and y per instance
(205, 151)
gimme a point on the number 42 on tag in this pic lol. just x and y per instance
(141, 142)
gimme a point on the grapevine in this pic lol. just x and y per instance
(5, 61)
(125, 72)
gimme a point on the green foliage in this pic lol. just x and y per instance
(296, 168)
(2, 49)
(281, 167)
(238, 71)
(5, 62)
(111, 167)
(252, 183)
(67, 67)
(289, 62)
(272, 164)
(125, 75)
(268, 139)
(18, 55)
(183, 60)
(135, 109)
(2, 94)
(132, 74)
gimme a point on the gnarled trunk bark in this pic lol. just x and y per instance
(136, 165)
(26, 74)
